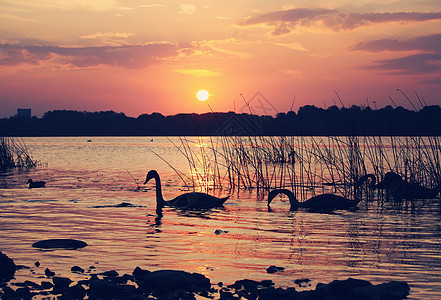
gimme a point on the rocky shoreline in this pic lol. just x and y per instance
(177, 284)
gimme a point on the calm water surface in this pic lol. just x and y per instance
(372, 243)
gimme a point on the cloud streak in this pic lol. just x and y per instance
(424, 63)
(427, 61)
(429, 43)
(285, 21)
(96, 5)
(199, 73)
(130, 56)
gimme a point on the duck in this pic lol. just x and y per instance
(193, 200)
(36, 184)
(319, 203)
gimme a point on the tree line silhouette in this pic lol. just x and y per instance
(308, 121)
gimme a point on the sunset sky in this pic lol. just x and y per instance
(138, 57)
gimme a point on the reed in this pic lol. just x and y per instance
(307, 165)
(14, 154)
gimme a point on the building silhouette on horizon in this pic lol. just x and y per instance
(24, 113)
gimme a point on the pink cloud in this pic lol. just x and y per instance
(413, 64)
(430, 43)
(284, 21)
(132, 56)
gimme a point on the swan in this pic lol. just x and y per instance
(187, 200)
(364, 178)
(36, 184)
(399, 188)
(323, 202)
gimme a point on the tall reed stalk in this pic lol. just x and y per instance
(14, 154)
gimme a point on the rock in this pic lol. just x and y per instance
(48, 272)
(139, 272)
(274, 269)
(112, 274)
(46, 285)
(7, 268)
(21, 267)
(391, 290)
(23, 293)
(37, 264)
(300, 281)
(100, 288)
(246, 284)
(340, 288)
(60, 244)
(303, 282)
(122, 204)
(173, 280)
(61, 283)
(123, 279)
(8, 292)
(278, 293)
(77, 269)
(224, 295)
(218, 231)
(33, 285)
(175, 284)
(398, 289)
(75, 292)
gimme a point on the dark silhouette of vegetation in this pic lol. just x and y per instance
(308, 121)
(14, 154)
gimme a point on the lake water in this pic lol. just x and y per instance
(84, 179)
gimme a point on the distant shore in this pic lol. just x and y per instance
(308, 121)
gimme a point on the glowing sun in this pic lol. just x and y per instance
(202, 95)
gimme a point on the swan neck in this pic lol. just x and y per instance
(295, 204)
(159, 199)
(292, 198)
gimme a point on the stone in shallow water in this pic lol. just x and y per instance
(7, 268)
(138, 272)
(60, 244)
(77, 269)
(61, 282)
(173, 280)
(112, 274)
(274, 269)
(49, 273)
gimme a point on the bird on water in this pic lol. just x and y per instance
(186, 201)
(319, 203)
(36, 184)
(399, 188)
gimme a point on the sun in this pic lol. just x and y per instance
(202, 95)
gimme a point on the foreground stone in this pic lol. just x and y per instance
(60, 243)
(7, 268)
(176, 284)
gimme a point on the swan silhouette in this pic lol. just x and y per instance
(399, 188)
(187, 200)
(319, 203)
(372, 181)
(36, 184)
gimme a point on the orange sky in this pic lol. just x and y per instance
(137, 57)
